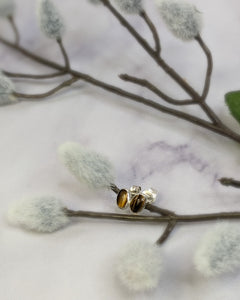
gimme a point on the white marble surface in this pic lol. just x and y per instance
(146, 147)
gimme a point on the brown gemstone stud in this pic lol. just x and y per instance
(136, 199)
(123, 199)
(138, 203)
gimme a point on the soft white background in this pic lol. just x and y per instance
(147, 148)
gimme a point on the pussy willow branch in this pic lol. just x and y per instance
(118, 91)
(143, 43)
(215, 123)
(33, 97)
(156, 219)
(170, 71)
(166, 216)
(168, 230)
(171, 221)
(64, 53)
(145, 83)
(153, 29)
(113, 89)
(209, 67)
(33, 76)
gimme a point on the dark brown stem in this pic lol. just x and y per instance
(85, 77)
(168, 230)
(112, 216)
(47, 94)
(209, 66)
(114, 89)
(145, 83)
(64, 53)
(171, 220)
(114, 188)
(207, 82)
(153, 29)
(155, 219)
(230, 182)
(33, 76)
(155, 105)
(158, 210)
(15, 29)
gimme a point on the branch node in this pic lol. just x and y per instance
(168, 230)
(153, 29)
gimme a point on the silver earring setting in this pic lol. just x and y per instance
(135, 198)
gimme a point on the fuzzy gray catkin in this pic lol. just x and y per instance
(126, 6)
(139, 266)
(130, 6)
(97, 2)
(7, 8)
(219, 250)
(6, 90)
(41, 214)
(50, 20)
(182, 18)
(90, 167)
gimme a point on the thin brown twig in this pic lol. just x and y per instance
(153, 29)
(209, 66)
(159, 210)
(114, 188)
(33, 76)
(168, 230)
(211, 114)
(202, 100)
(15, 29)
(230, 182)
(145, 83)
(64, 53)
(28, 97)
(87, 78)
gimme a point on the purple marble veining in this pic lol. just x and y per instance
(162, 157)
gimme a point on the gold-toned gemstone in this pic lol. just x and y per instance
(138, 203)
(122, 199)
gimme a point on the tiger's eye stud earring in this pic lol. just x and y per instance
(138, 203)
(123, 199)
(136, 199)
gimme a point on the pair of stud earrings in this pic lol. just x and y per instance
(135, 198)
